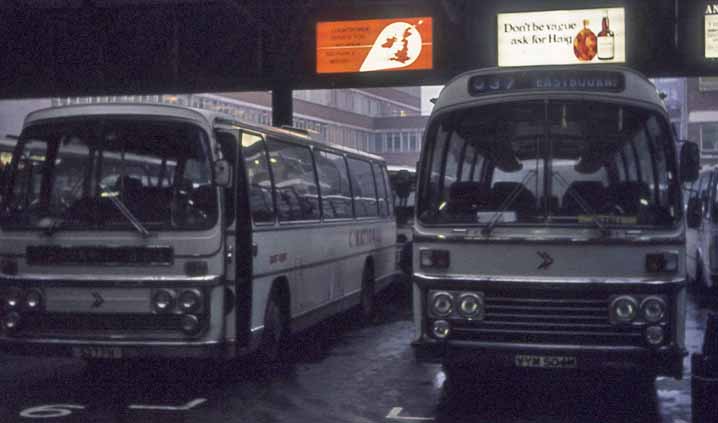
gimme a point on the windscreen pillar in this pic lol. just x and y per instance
(282, 105)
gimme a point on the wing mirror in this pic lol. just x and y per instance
(690, 161)
(694, 214)
(223, 173)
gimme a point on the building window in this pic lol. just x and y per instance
(412, 142)
(405, 142)
(709, 137)
(397, 142)
(378, 143)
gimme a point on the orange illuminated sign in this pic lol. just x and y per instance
(374, 45)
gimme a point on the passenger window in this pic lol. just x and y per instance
(334, 185)
(644, 158)
(660, 140)
(363, 188)
(294, 181)
(387, 187)
(705, 192)
(630, 158)
(228, 143)
(620, 169)
(381, 190)
(28, 179)
(469, 155)
(259, 181)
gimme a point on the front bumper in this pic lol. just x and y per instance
(124, 350)
(665, 361)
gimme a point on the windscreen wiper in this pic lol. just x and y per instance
(486, 231)
(113, 197)
(583, 204)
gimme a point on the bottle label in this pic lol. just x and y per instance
(605, 48)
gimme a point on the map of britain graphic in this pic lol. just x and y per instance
(397, 46)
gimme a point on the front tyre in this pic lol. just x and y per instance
(274, 336)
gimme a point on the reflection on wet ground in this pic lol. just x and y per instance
(342, 371)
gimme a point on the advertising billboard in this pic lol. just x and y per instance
(562, 37)
(711, 31)
(374, 45)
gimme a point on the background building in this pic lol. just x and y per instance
(384, 121)
(703, 117)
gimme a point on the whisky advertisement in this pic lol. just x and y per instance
(562, 37)
(711, 31)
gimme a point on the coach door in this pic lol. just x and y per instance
(239, 245)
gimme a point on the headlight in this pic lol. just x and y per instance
(190, 300)
(442, 303)
(471, 306)
(163, 301)
(13, 299)
(441, 329)
(624, 309)
(33, 300)
(653, 309)
(654, 335)
(190, 324)
(11, 321)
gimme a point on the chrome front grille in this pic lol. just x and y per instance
(552, 317)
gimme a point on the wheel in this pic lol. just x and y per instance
(368, 299)
(273, 345)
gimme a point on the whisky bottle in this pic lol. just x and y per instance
(584, 45)
(606, 38)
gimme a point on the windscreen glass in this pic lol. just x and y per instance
(558, 162)
(73, 172)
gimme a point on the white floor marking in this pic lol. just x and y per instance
(195, 402)
(394, 415)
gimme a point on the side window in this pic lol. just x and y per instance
(659, 141)
(363, 188)
(294, 181)
(334, 185)
(620, 170)
(631, 160)
(26, 188)
(387, 187)
(466, 169)
(381, 190)
(705, 191)
(259, 181)
(228, 143)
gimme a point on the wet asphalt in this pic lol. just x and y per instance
(340, 371)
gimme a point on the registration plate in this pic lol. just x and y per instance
(545, 361)
(97, 352)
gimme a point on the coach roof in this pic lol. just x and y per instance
(637, 87)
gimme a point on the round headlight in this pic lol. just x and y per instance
(163, 301)
(653, 309)
(189, 301)
(190, 324)
(470, 306)
(11, 321)
(442, 304)
(13, 299)
(654, 335)
(624, 309)
(441, 329)
(33, 300)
